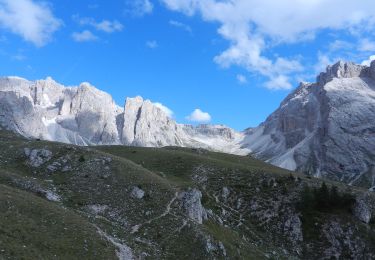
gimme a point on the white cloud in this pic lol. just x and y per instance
(279, 82)
(33, 21)
(104, 25)
(368, 61)
(199, 116)
(366, 45)
(152, 44)
(180, 25)
(108, 26)
(252, 27)
(165, 109)
(84, 36)
(139, 7)
(241, 79)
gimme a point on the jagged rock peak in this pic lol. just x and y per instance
(342, 69)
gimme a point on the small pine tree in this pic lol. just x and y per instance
(334, 196)
(322, 197)
(307, 202)
(81, 158)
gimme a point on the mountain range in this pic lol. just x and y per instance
(325, 129)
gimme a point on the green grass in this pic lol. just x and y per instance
(33, 228)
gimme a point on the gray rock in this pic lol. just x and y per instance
(191, 202)
(137, 193)
(37, 157)
(225, 193)
(362, 209)
(293, 228)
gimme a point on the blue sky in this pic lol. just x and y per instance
(234, 60)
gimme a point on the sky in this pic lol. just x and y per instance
(203, 61)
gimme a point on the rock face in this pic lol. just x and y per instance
(37, 157)
(325, 128)
(147, 125)
(84, 115)
(191, 202)
(363, 208)
(47, 110)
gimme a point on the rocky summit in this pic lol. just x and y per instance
(325, 129)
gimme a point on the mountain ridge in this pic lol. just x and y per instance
(323, 129)
(66, 114)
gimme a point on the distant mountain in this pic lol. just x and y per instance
(85, 115)
(325, 128)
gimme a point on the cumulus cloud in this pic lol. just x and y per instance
(139, 7)
(152, 44)
(33, 21)
(252, 26)
(241, 79)
(84, 36)
(104, 25)
(279, 82)
(180, 25)
(199, 116)
(368, 61)
(165, 109)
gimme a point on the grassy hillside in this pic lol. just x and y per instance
(169, 203)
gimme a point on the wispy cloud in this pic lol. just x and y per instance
(152, 44)
(93, 6)
(180, 25)
(32, 20)
(19, 57)
(139, 7)
(84, 36)
(339, 45)
(241, 79)
(367, 45)
(104, 25)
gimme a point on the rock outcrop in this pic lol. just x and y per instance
(37, 157)
(191, 202)
(325, 128)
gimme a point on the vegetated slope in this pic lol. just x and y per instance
(32, 228)
(177, 203)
